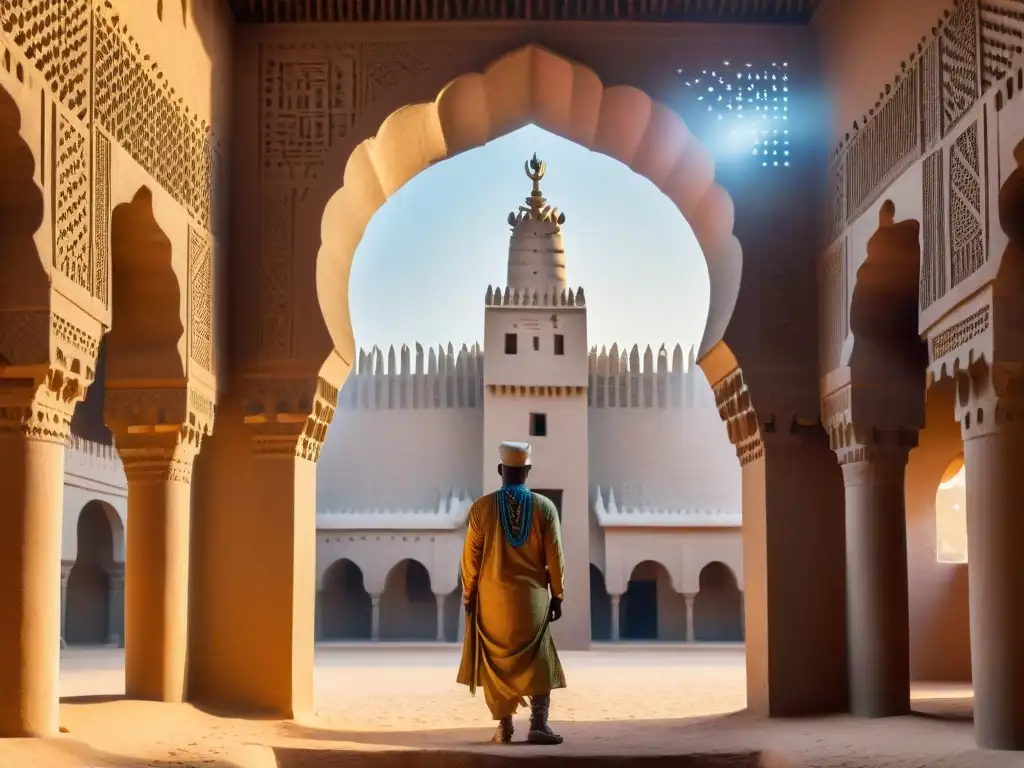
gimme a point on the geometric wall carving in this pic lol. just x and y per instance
(933, 255)
(312, 94)
(139, 110)
(1002, 32)
(835, 318)
(200, 281)
(54, 35)
(886, 146)
(101, 217)
(960, 333)
(966, 232)
(958, 47)
(277, 219)
(931, 95)
(71, 230)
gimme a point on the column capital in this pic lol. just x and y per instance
(158, 431)
(50, 361)
(41, 408)
(289, 417)
(989, 398)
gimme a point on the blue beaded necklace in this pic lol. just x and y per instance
(515, 510)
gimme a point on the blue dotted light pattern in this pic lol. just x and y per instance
(751, 103)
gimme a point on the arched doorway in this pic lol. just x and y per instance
(408, 609)
(346, 606)
(651, 609)
(718, 606)
(89, 610)
(600, 606)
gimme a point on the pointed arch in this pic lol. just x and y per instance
(347, 608)
(408, 608)
(718, 605)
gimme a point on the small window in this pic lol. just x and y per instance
(538, 424)
(559, 344)
(536, 343)
(511, 343)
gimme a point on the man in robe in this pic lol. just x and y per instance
(512, 556)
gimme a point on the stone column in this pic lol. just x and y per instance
(375, 623)
(254, 606)
(615, 601)
(440, 617)
(33, 432)
(878, 612)
(159, 473)
(65, 577)
(462, 620)
(992, 424)
(115, 606)
(690, 630)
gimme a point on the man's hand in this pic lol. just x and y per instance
(556, 608)
(470, 603)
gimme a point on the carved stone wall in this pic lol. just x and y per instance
(106, 90)
(926, 115)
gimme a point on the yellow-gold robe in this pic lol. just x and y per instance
(508, 650)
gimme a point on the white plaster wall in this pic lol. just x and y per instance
(675, 457)
(377, 552)
(683, 553)
(92, 472)
(541, 367)
(403, 457)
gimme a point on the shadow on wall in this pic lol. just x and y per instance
(940, 643)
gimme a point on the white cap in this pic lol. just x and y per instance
(515, 454)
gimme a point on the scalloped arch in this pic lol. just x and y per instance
(530, 85)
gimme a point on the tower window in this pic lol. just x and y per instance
(511, 343)
(559, 344)
(538, 425)
(536, 343)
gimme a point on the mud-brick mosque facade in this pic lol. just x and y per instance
(632, 452)
(186, 183)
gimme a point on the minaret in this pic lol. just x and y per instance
(536, 375)
(536, 256)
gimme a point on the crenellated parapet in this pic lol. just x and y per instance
(620, 379)
(449, 513)
(94, 462)
(611, 514)
(436, 378)
(516, 297)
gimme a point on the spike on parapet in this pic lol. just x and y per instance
(623, 378)
(514, 297)
(449, 381)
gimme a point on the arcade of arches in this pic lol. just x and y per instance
(210, 252)
(650, 609)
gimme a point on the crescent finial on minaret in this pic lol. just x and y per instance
(535, 169)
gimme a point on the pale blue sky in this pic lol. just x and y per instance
(429, 253)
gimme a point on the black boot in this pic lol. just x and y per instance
(503, 734)
(540, 731)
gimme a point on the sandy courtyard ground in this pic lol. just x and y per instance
(399, 706)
